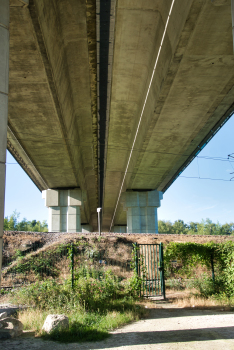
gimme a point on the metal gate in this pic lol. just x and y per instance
(149, 265)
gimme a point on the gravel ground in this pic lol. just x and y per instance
(165, 328)
(51, 237)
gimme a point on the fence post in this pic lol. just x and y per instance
(212, 266)
(72, 265)
(136, 256)
(162, 270)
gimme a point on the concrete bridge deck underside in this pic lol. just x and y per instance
(167, 115)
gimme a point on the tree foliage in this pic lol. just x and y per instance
(12, 223)
(205, 227)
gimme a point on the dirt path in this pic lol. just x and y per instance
(166, 328)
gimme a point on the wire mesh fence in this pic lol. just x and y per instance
(65, 261)
(68, 261)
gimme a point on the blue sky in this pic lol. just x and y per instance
(196, 199)
(187, 199)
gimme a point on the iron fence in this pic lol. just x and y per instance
(62, 262)
(150, 268)
(66, 261)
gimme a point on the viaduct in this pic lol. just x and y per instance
(104, 103)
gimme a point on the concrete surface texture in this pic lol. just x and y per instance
(64, 209)
(165, 329)
(141, 210)
(4, 82)
(166, 84)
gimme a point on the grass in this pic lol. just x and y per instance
(83, 325)
(94, 307)
(191, 298)
(203, 303)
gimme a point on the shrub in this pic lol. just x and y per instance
(207, 287)
(93, 306)
(88, 292)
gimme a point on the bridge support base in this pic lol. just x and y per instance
(119, 229)
(85, 228)
(64, 209)
(4, 79)
(142, 211)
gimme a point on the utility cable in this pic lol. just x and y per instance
(139, 173)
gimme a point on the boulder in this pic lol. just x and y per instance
(54, 322)
(10, 327)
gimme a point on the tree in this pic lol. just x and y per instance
(34, 222)
(12, 224)
(192, 228)
(227, 229)
(164, 226)
(179, 227)
(23, 225)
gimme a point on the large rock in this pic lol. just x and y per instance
(53, 322)
(10, 327)
(10, 309)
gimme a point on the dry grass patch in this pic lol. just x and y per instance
(32, 319)
(188, 299)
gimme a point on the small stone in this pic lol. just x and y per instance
(3, 315)
(53, 322)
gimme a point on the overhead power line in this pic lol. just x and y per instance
(136, 173)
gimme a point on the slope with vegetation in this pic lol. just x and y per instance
(103, 294)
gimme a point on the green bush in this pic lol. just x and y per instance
(175, 284)
(207, 287)
(87, 292)
(132, 286)
(94, 306)
(193, 254)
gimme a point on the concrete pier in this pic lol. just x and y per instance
(64, 209)
(119, 229)
(4, 82)
(142, 211)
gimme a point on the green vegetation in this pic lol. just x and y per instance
(205, 227)
(218, 259)
(12, 223)
(75, 283)
(42, 263)
(94, 306)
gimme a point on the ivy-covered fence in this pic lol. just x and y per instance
(217, 258)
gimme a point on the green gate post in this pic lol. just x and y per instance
(212, 266)
(162, 270)
(137, 267)
(72, 265)
(136, 257)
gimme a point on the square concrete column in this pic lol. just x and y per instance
(64, 210)
(142, 211)
(4, 82)
(232, 7)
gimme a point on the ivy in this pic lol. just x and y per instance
(220, 255)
